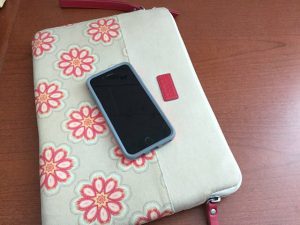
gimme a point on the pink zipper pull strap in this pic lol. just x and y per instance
(105, 4)
(212, 210)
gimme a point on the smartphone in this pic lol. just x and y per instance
(135, 119)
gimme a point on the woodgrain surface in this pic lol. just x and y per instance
(247, 56)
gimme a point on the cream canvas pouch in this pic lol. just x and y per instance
(85, 179)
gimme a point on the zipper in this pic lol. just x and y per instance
(212, 210)
(106, 4)
(211, 204)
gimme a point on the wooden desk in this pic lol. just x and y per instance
(247, 56)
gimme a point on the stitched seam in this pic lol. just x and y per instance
(165, 184)
(122, 37)
(156, 155)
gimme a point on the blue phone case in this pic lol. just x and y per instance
(123, 149)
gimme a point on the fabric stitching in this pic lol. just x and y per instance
(165, 184)
(156, 155)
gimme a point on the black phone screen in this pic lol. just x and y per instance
(132, 113)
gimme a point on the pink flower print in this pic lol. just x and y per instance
(48, 97)
(76, 62)
(103, 30)
(101, 200)
(85, 123)
(140, 164)
(56, 167)
(42, 42)
(152, 211)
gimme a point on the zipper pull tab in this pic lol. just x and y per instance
(105, 4)
(212, 210)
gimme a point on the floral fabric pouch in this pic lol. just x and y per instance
(84, 177)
